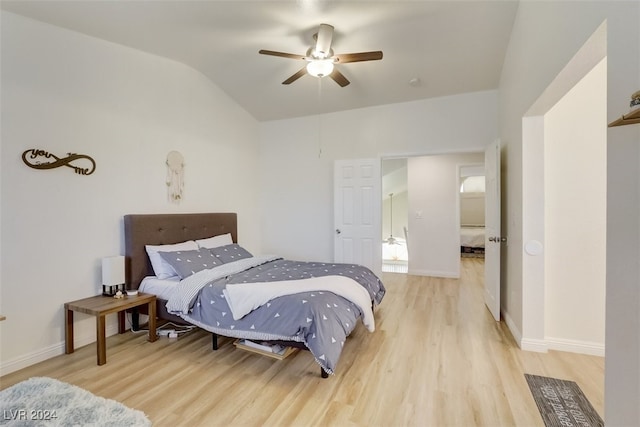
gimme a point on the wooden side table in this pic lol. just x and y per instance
(100, 306)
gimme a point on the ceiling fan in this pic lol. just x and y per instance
(321, 60)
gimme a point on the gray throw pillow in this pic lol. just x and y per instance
(230, 253)
(186, 263)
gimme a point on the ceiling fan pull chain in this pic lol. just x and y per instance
(319, 118)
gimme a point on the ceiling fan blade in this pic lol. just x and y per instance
(281, 54)
(339, 78)
(323, 40)
(296, 76)
(343, 58)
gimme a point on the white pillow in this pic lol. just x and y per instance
(215, 241)
(162, 268)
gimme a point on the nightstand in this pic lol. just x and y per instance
(100, 306)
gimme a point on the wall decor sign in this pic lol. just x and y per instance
(41, 159)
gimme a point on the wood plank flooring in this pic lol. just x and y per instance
(437, 358)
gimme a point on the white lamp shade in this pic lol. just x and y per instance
(320, 68)
(113, 270)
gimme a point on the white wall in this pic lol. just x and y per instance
(533, 60)
(297, 180)
(434, 213)
(65, 92)
(472, 208)
(575, 176)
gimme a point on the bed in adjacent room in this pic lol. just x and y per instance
(472, 240)
(201, 276)
(472, 231)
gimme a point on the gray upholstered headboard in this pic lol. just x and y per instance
(166, 229)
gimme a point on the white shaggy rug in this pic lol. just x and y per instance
(42, 401)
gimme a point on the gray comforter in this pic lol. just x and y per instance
(319, 319)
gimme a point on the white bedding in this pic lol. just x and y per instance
(162, 288)
(472, 237)
(246, 297)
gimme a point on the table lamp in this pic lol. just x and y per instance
(112, 275)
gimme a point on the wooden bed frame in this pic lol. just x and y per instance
(166, 229)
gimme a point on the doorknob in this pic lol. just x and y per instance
(497, 239)
(338, 231)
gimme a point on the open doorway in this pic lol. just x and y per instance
(421, 213)
(575, 185)
(564, 220)
(472, 204)
(395, 255)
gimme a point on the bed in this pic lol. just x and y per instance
(311, 305)
(472, 240)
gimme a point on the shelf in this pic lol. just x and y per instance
(288, 351)
(627, 119)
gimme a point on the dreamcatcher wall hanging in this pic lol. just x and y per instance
(175, 176)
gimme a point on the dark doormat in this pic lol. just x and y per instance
(562, 403)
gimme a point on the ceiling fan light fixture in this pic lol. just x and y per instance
(320, 68)
(321, 60)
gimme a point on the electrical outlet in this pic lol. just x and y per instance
(165, 332)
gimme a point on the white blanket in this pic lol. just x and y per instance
(472, 237)
(246, 297)
(181, 299)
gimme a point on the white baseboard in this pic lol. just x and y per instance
(515, 332)
(431, 273)
(574, 346)
(49, 352)
(551, 343)
(527, 344)
(531, 344)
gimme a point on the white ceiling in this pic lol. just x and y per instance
(451, 46)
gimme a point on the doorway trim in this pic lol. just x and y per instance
(532, 336)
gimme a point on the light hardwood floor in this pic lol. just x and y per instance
(437, 358)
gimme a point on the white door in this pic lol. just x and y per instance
(357, 205)
(493, 237)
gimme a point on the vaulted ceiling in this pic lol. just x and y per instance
(431, 48)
